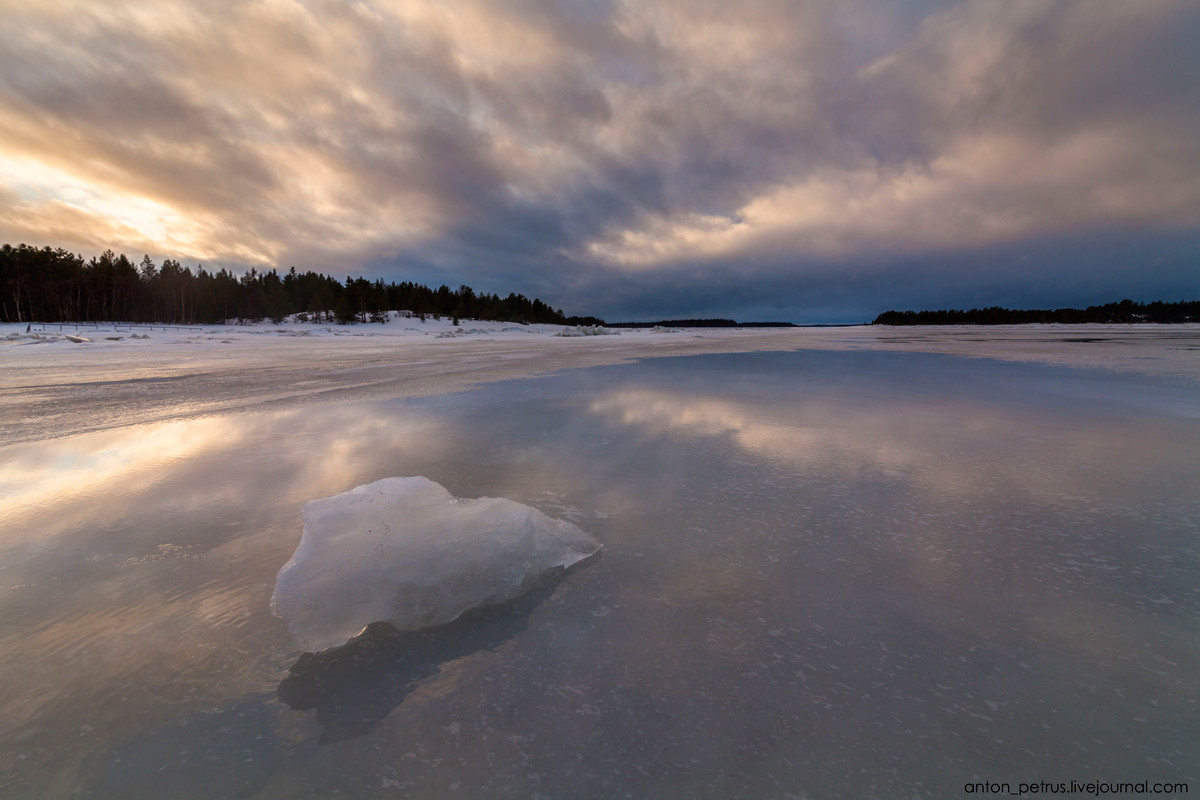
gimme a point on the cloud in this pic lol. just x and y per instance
(978, 191)
(553, 144)
(990, 156)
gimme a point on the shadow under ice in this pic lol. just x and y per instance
(355, 686)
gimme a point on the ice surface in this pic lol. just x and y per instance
(185, 371)
(407, 552)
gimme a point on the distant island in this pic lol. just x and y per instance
(1124, 312)
(699, 323)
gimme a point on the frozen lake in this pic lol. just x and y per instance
(827, 573)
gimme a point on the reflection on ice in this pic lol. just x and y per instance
(85, 479)
(946, 445)
(825, 575)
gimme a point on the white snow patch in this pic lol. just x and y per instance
(458, 333)
(407, 552)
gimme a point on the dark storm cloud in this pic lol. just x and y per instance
(676, 157)
(1143, 266)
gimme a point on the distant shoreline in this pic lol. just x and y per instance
(1123, 312)
(700, 323)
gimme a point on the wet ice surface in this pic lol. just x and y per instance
(50, 387)
(825, 575)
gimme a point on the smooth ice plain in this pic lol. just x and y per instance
(836, 563)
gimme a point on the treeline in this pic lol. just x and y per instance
(54, 285)
(1125, 311)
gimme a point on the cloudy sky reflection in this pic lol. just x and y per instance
(843, 572)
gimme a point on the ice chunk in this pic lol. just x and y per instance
(407, 552)
(587, 330)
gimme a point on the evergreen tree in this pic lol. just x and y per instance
(55, 285)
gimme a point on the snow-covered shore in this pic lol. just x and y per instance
(51, 386)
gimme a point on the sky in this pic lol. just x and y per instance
(813, 161)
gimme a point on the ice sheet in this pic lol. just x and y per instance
(407, 552)
(122, 378)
